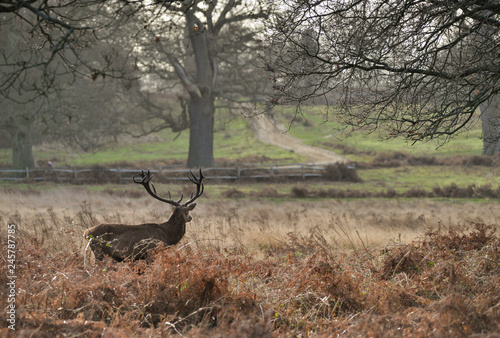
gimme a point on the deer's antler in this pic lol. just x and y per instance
(199, 187)
(144, 179)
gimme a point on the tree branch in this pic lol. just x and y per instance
(185, 78)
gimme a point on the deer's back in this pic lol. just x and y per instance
(127, 232)
(120, 241)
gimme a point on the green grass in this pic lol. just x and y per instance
(236, 141)
(313, 130)
(149, 152)
(6, 156)
(233, 141)
(374, 181)
(464, 144)
(427, 177)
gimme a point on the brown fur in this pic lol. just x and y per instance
(121, 241)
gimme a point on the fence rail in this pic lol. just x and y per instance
(124, 175)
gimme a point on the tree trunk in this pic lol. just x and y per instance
(202, 97)
(201, 136)
(22, 152)
(490, 118)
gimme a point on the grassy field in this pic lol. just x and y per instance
(257, 267)
(232, 139)
(319, 130)
(235, 142)
(266, 259)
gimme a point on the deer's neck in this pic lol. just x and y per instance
(175, 228)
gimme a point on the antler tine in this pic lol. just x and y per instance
(144, 178)
(179, 201)
(141, 174)
(199, 187)
(144, 181)
(193, 178)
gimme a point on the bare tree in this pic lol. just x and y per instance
(192, 50)
(202, 58)
(419, 68)
(120, 241)
(51, 38)
(45, 49)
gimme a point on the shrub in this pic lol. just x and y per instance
(390, 193)
(233, 193)
(423, 160)
(341, 172)
(393, 160)
(486, 161)
(267, 192)
(416, 192)
(462, 237)
(299, 192)
(454, 191)
(405, 259)
(487, 191)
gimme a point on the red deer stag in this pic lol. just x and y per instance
(121, 241)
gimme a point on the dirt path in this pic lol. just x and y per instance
(269, 132)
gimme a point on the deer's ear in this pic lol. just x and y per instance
(191, 207)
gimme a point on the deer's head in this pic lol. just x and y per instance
(182, 212)
(181, 209)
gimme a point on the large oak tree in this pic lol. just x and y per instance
(207, 52)
(204, 46)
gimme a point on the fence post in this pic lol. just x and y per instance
(75, 174)
(271, 170)
(238, 172)
(302, 170)
(27, 172)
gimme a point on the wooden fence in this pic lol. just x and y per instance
(163, 174)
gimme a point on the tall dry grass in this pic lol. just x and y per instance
(256, 268)
(58, 217)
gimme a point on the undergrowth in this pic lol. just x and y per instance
(302, 191)
(445, 284)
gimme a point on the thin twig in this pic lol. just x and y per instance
(364, 246)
